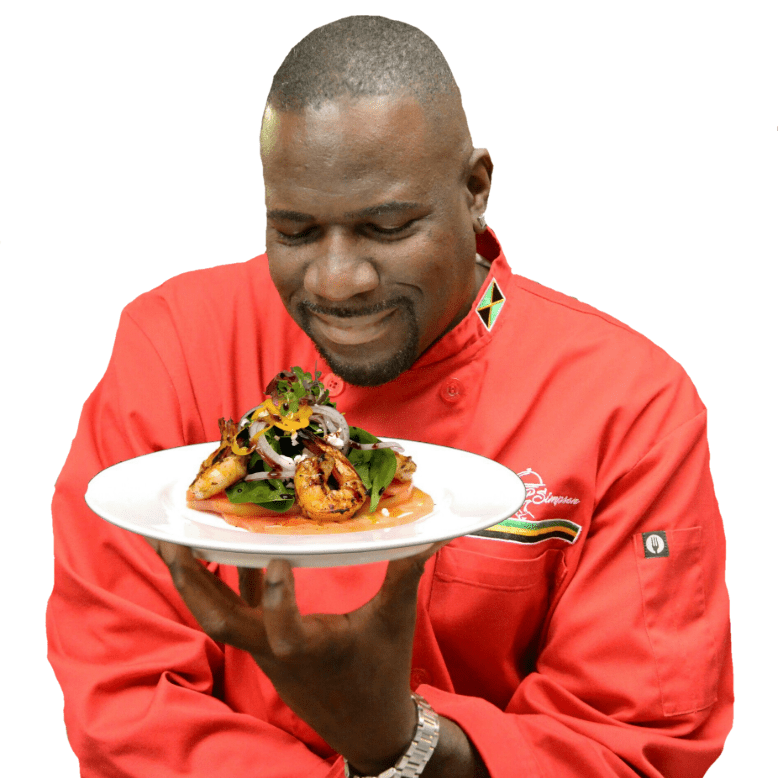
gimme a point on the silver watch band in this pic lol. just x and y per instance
(414, 760)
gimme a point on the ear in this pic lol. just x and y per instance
(479, 184)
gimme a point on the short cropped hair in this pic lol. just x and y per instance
(361, 56)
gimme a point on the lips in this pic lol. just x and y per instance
(353, 330)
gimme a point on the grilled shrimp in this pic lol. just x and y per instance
(223, 468)
(317, 499)
(406, 467)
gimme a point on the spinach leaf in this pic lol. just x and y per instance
(375, 466)
(271, 494)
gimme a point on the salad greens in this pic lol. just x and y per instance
(376, 466)
(289, 391)
(290, 387)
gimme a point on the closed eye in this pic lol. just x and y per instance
(303, 236)
(390, 230)
(311, 233)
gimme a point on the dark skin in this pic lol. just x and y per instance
(369, 201)
(348, 675)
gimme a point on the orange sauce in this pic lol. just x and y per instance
(402, 507)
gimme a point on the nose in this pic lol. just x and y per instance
(340, 270)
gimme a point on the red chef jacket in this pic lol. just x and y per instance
(587, 636)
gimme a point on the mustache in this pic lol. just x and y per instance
(350, 312)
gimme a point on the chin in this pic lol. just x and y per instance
(370, 373)
(365, 370)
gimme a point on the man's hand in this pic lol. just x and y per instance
(346, 675)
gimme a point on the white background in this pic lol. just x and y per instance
(635, 168)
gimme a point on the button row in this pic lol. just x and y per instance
(452, 390)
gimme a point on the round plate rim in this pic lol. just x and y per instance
(277, 547)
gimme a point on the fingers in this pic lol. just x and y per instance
(397, 596)
(217, 609)
(402, 572)
(250, 584)
(423, 556)
(153, 542)
(283, 623)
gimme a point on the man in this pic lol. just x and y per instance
(588, 636)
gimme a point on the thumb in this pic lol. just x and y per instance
(286, 633)
(397, 596)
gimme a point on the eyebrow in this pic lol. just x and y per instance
(383, 209)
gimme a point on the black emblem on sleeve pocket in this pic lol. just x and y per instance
(655, 544)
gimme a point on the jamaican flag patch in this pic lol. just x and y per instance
(532, 531)
(490, 305)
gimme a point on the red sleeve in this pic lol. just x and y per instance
(634, 673)
(141, 681)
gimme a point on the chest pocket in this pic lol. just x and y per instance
(488, 612)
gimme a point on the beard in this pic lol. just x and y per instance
(367, 372)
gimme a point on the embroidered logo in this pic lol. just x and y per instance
(539, 494)
(523, 527)
(655, 544)
(491, 304)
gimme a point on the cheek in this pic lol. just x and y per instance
(448, 278)
(284, 274)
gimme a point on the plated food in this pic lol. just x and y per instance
(294, 465)
(147, 495)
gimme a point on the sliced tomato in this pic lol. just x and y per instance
(395, 494)
(220, 503)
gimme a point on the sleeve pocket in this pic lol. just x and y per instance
(675, 619)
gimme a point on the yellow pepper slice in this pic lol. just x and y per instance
(271, 415)
(241, 452)
(293, 421)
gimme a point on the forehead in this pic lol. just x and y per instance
(352, 145)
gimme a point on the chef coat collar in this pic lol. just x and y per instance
(471, 334)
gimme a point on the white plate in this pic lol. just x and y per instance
(146, 495)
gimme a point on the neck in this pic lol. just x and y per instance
(482, 267)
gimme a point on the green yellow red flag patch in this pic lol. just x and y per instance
(490, 305)
(521, 531)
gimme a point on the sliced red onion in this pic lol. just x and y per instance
(333, 422)
(283, 474)
(381, 444)
(255, 427)
(271, 457)
(246, 417)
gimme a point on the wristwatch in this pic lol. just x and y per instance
(414, 760)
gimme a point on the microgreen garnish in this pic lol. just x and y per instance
(291, 389)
